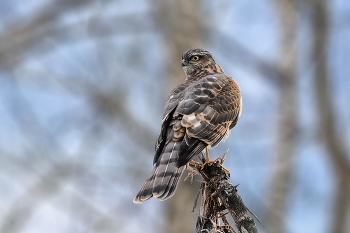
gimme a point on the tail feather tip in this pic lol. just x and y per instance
(140, 199)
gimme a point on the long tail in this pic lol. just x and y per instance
(164, 177)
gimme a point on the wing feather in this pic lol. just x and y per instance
(210, 108)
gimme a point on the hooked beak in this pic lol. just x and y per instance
(183, 63)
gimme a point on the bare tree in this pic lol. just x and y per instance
(327, 127)
(286, 136)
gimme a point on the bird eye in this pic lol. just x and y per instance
(195, 58)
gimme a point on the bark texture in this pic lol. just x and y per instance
(218, 196)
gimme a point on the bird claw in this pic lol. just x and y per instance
(216, 161)
(220, 161)
(192, 172)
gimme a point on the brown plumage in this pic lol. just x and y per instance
(200, 112)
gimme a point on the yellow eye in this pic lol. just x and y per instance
(195, 58)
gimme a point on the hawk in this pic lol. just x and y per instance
(199, 112)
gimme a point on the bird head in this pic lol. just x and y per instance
(199, 63)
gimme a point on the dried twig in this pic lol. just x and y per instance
(217, 195)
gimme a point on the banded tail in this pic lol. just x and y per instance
(164, 177)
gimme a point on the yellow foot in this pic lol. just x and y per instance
(215, 161)
(193, 162)
(207, 158)
(205, 163)
(221, 162)
(208, 161)
(192, 171)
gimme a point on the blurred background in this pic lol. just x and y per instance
(82, 89)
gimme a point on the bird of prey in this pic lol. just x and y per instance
(200, 112)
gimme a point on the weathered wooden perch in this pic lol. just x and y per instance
(218, 197)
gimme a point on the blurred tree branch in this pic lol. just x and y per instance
(21, 40)
(24, 35)
(333, 142)
(246, 57)
(283, 166)
(48, 186)
(47, 148)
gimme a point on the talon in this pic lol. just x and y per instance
(226, 170)
(205, 163)
(194, 162)
(208, 161)
(221, 162)
(192, 170)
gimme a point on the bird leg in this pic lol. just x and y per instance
(207, 158)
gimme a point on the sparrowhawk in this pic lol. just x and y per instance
(199, 112)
